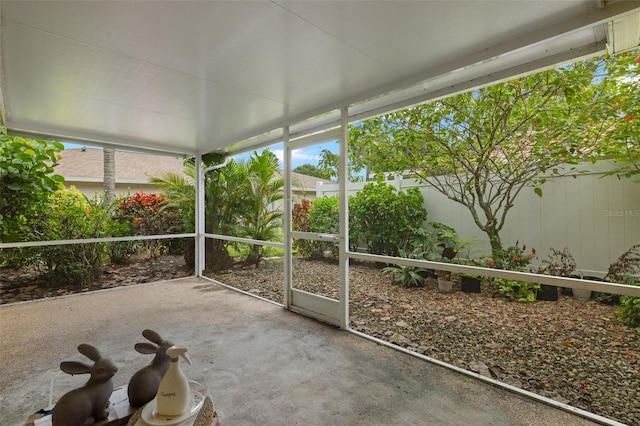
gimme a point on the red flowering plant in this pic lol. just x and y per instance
(148, 214)
(515, 258)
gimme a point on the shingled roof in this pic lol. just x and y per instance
(86, 165)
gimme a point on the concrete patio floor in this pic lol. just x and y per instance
(263, 365)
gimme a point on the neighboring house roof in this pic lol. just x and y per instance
(87, 165)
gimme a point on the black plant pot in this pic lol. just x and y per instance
(548, 293)
(470, 284)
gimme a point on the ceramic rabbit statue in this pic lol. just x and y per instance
(143, 385)
(88, 404)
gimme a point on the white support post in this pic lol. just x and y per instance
(343, 182)
(287, 206)
(199, 218)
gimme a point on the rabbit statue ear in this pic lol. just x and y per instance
(152, 336)
(89, 351)
(146, 348)
(75, 367)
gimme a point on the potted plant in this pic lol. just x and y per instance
(445, 283)
(470, 283)
(515, 258)
(559, 264)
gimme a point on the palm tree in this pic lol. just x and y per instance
(109, 176)
(239, 201)
(221, 207)
(262, 219)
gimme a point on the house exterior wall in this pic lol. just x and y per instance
(597, 217)
(95, 189)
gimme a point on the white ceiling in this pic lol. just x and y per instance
(194, 77)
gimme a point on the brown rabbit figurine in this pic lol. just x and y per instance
(88, 404)
(144, 384)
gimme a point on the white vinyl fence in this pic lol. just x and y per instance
(597, 217)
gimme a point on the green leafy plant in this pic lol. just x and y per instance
(520, 291)
(383, 218)
(626, 270)
(259, 216)
(484, 147)
(324, 218)
(68, 215)
(121, 251)
(630, 311)
(26, 176)
(515, 258)
(407, 275)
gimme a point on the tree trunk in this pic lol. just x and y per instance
(109, 180)
(496, 245)
(217, 257)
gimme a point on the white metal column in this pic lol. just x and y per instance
(343, 246)
(199, 218)
(288, 205)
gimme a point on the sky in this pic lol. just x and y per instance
(307, 155)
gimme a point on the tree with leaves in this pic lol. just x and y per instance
(311, 170)
(240, 200)
(622, 128)
(26, 179)
(484, 147)
(261, 218)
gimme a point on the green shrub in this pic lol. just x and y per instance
(69, 215)
(630, 311)
(324, 218)
(383, 218)
(17, 257)
(120, 251)
(26, 177)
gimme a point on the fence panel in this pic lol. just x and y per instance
(597, 217)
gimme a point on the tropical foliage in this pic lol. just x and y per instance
(484, 147)
(26, 178)
(67, 215)
(324, 217)
(383, 218)
(407, 275)
(260, 217)
(241, 199)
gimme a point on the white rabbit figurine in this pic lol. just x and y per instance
(88, 404)
(144, 384)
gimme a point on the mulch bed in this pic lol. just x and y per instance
(577, 353)
(18, 285)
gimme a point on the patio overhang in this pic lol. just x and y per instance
(229, 76)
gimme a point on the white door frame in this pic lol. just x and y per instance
(332, 311)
